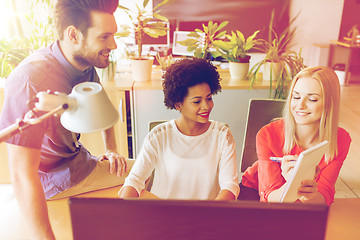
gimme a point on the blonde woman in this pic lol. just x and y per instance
(311, 115)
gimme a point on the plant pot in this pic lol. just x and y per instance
(107, 74)
(141, 68)
(272, 71)
(238, 70)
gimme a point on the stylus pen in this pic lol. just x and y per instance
(276, 159)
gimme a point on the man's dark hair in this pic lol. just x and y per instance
(77, 13)
(186, 73)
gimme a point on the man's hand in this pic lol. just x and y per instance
(117, 162)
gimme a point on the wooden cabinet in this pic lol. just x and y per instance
(94, 141)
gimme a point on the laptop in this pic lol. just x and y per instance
(138, 219)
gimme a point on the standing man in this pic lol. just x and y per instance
(47, 161)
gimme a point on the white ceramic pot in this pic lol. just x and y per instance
(141, 69)
(238, 70)
(272, 71)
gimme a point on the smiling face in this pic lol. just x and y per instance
(197, 105)
(307, 101)
(95, 47)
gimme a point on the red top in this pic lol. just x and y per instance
(265, 175)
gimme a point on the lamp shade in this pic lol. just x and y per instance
(90, 109)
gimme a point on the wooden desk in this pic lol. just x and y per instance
(343, 219)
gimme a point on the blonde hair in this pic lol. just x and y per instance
(329, 121)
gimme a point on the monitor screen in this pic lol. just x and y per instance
(177, 48)
(195, 219)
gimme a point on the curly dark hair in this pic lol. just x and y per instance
(186, 73)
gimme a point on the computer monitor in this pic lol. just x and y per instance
(138, 219)
(177, 48)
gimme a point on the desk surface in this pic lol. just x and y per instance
(344, 44)
(125, 75)
(343, 220)
(123, 81)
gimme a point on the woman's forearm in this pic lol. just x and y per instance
(225, 195)
(128, 192)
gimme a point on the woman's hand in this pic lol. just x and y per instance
(117, 162)
(308, 189)
(287, 166)
(309, 192)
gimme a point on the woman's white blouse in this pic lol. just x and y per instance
(186, 167)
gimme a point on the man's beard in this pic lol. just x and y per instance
(90, 61)
(83, 58)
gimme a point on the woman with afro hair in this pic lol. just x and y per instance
(192, 157)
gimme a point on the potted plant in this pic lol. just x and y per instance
(235, 50)
(201, 41)
(10, 56)
(280, 64)
(143, 23)
(13, 51)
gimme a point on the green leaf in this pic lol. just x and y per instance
(223, 45)
(206, 29)
(145, 3)
(210, 24)
(240, 36)
(198, 53)
(198, 31)
(161, 4)
(123, 8)
(188, 42)
(216, 54)
(222, 25)
(191, 48)
(213, 28)
(161, 17)
(194, 35)
(220, 35)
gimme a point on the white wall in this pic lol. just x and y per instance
(319, 22)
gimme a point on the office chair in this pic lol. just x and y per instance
(260, 113)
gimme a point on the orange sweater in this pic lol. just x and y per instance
(265, 175)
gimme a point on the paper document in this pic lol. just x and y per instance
(304, 168)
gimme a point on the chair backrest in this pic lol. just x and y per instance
(260, 113)
(153, 124)
(150, 180)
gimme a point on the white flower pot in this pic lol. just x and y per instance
(141, 69)
(238, 70)
(272, 71)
